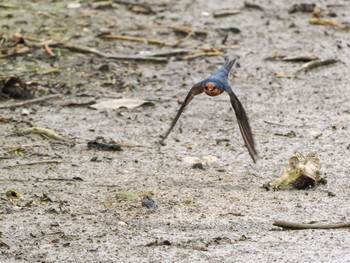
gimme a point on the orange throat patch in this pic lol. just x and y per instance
(214, 92)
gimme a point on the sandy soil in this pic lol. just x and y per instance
(87, 206)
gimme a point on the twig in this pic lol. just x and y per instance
(298, 226)
(48, 49)
(32, 163)
(64, 179)
(30, 41)
(47, 133)
(327, 22)
(225, 12)
(250, 5)
(274, 123)
(316, 63)
(84, 49)
(170, 53)
(137, 39)
(188, 30)
(32, 101)
(203, 54)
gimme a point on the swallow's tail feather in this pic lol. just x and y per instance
(229, 64)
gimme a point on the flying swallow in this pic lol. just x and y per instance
(214, 85)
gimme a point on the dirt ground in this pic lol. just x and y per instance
(84, 205)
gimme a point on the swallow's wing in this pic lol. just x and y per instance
(243, 123)
(196, 89)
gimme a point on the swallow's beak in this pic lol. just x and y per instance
(210, 87)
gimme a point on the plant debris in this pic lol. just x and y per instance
(32, 101)
(12, 194)
(301, 57)
(127, 196)
(44, 132)
(250, 5)
(102, 144)
(225, 12)
(291, 134)
(121, 103)
(14, 87)
(147, 201)
(302, 173)
(159, 243)
(318, 18)
(316, 64)
(302, 7)
(299, 226)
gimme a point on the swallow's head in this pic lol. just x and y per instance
(211, 89)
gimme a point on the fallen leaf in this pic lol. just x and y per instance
(121, 103)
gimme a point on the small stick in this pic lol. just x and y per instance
(48, 49)
(203, 54)
(316, 63)
(225, 12)
(298, 226)
(137, 39)
(43, 132)
(325, 22)
(84, 49)
(32, 101)
(32, 163)
(30, 41)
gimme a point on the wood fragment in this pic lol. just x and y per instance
(303, 57)
(173, 52)
(64, 179)
(32, 163)
(41, 131)
(316, 63)
(137, 39)
(303, 7)
(203, 54)
(327, 22)
(250, 5)
(219, 48)
(48, 49)
(225, 12)
(35, 42)
(188, 30)
(32, 101)
(299, 226)
(95, 51)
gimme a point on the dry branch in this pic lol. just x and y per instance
(32, 163)
(137, 39)
(32, 101)
(299, 226)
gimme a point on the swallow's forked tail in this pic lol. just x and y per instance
(229, 64)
